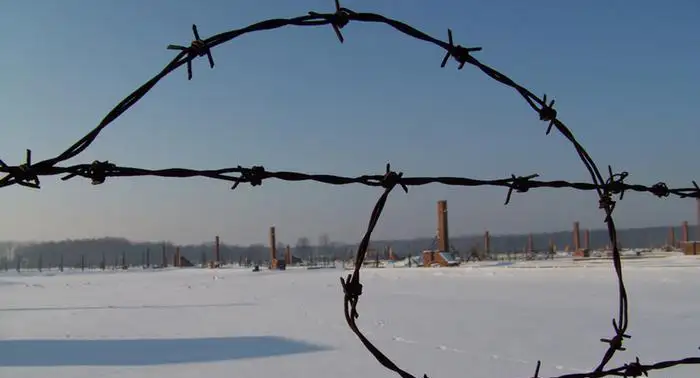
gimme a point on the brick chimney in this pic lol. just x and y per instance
(671, 237)
(577, 236)
(487, 242)
(530, 244)
(217, 255)
(273, 245)
(443, 235)
(684, 231)
(288, 255)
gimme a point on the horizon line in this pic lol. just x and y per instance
(336, 243)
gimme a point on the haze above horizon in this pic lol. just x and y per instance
(624, 79)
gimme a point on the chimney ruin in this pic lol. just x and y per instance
(288, 255)
(577, 236)
(530, 244)
(273, 245)
(487, 242)
(443, 235)
(217, 255)
(684, 232)
(671, 237)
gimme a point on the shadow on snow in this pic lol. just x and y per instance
(144, 352)
(119, 307)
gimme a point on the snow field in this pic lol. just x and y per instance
(452, 322)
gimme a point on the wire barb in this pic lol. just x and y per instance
(337, 20)
(198, 47)
(548, 113)
(254, 176)
(520, 184)
(460, 53)
(635, 369)
(660, 190)
(23, 174)
(391, 179)
(616, 342)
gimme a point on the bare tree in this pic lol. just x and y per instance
(303, 247)
(281, 248)
(324, 242)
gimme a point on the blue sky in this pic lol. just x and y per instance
(624, 75)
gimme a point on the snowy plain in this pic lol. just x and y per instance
(446, 322)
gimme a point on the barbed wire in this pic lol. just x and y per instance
(99, 171)
(27, 174)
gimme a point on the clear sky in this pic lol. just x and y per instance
(624, 74)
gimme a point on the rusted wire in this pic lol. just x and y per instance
(98, 172)
(27, 174)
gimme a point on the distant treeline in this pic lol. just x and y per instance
(118, 251)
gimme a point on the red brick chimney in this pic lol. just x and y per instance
(288, 255)
(443, 235)
(577, 236)
(684, 231)
(671, 237)
(217, 255)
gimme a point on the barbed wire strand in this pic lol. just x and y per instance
(27, 174)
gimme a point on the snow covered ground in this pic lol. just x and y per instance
(447, 322)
